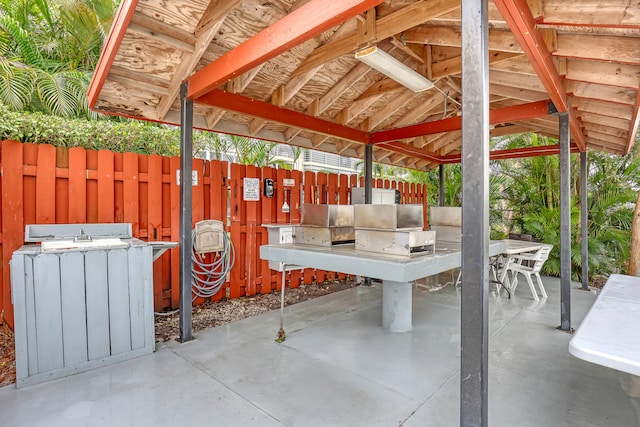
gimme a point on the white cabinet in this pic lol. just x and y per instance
(280, 234)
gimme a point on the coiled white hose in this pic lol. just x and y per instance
(208, 278)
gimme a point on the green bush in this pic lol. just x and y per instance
(119, 136)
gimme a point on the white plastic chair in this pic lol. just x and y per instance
(516, 265)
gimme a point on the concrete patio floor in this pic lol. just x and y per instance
(338, 367)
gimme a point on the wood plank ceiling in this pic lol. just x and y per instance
(582, 55)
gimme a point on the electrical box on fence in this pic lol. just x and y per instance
(269, 187)
(209, 236)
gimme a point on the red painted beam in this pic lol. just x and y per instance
(264, 110)
(516, 113)
(116, 34)
(635, 121)
(310, 20)
(420, 153)
(523, 26)
(514, 153)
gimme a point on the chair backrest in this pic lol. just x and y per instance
(541, 256)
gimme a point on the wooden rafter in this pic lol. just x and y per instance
(300, 25)
(385, 27)
(520, 20)
(499, 40)
(592, 12)
(415, 115)
(285, 92)
(206, 30)
(398, 101)
(453, 66)
(622, 75)
(602, 92)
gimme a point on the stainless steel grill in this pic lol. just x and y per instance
(325, 225)
(392, 229)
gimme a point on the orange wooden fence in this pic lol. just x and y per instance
(42, 184)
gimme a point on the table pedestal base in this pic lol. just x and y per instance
(396, 306)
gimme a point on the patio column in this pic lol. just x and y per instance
(186, 160)
(368, 173)
(441, 185)
(475, 215)
(368, 187)
(565, 224)
(584, 177)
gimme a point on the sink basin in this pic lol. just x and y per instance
(106, 243)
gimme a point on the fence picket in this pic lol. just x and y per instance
(105, 188)
(61, 189)
(252, 237)
(269, 277)
(78, 185)
(154, 221)
(309, 197)
(174, 188)
(237, 175)
(12, 217)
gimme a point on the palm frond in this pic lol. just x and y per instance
(16, 85)
(59, 93)
(28, 49)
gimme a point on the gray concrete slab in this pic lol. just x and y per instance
(339, 367)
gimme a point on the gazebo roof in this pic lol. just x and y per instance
(285, 71)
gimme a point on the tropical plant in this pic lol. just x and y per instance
(117, 136)
(48, 51)
(249, 151)
(381, 171)
(532, 206)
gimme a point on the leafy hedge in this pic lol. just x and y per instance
(119, 136)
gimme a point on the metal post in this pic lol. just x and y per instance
(565, 225)
(368, 173)
(186, 160)
(441, 185)
(584, 228)
(368, 186)
(474, 394)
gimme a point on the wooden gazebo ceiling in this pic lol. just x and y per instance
(583, 56)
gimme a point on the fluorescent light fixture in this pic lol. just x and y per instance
(380, 60)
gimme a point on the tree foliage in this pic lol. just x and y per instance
(48, 51)
(119, 136)
(532, 205)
